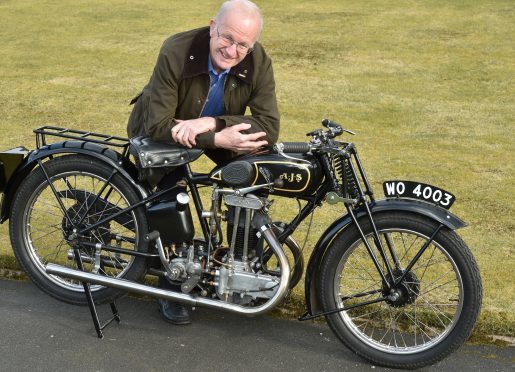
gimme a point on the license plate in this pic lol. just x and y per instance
(417, 190)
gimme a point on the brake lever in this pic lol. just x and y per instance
(316, 132)
(349, 131)
(335, 128)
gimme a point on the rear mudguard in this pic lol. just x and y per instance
(115, 160)
(339, 226)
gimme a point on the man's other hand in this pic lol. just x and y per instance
(231, 138)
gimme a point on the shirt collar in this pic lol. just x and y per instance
(212, 70)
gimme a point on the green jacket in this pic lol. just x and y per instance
(179, 87)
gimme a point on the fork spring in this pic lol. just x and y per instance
(343, 170)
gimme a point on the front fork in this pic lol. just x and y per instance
(349, 158)
(388, 278)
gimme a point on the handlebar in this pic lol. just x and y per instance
(319, 137)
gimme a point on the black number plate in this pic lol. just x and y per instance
(417, 190)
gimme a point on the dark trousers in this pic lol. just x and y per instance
(170, 180)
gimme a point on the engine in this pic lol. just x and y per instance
(241, 270)
(238, 285)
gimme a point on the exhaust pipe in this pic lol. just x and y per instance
(186, 298)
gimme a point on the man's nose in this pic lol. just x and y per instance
(232, 50)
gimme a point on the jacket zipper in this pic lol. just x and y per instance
(209, 91)
(207, 97)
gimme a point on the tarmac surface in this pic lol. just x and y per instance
(40, 333)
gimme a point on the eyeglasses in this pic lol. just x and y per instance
(227, 41)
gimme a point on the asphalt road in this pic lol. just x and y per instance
(40, 333)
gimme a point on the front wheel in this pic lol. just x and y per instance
(422, 319)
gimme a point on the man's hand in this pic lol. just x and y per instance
(231, 138)
(185, 131)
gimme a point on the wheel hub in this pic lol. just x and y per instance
(101, 232)
(405, 293)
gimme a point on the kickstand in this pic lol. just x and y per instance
(91, 303)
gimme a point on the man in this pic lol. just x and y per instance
(202, 84)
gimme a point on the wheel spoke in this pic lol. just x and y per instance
(46, 234)
(56, 227)
(420, 328)
(361, 294)
(58, 250)
(406, 250)
(428, 263)
(367, 272)
(431, 287)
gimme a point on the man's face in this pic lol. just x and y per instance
(229, 39)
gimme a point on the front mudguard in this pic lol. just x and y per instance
(339, 226)
(112, 158)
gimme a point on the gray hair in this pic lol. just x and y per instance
(247, 6)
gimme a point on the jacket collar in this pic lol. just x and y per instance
(198, 54)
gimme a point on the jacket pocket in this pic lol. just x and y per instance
(135, 99)
(139, 115)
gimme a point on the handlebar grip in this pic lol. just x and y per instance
(293, 147)
(329, 123)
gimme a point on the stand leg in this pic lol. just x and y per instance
(116, 316)
(114, 310)
(93, 310)
(89, 297)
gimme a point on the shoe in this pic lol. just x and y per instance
(174, 312)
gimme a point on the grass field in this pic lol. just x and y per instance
(427, 85)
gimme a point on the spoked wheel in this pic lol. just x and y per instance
(82, 192)
(426, 316)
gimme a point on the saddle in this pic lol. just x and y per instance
(155, 159)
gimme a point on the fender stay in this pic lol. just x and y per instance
(431, 211)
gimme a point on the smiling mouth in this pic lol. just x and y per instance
(224, 55)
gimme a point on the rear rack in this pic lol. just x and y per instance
(50, 131)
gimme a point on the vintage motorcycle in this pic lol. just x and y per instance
(394, 281)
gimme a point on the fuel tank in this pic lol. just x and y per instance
(300, 176)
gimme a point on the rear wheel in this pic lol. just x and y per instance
(82, 191)
(428, 315)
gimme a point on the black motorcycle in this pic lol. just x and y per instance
(394, 281)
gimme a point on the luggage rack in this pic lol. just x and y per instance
(51, 131)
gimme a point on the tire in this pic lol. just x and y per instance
(439, 300)
(39, 229)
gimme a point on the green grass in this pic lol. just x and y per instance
(427, 85)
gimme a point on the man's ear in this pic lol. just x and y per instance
(212, 25)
